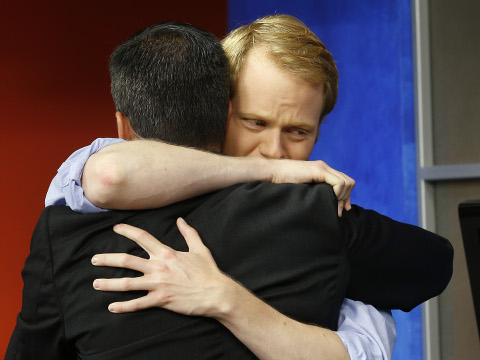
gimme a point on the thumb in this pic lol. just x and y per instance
(193, 240)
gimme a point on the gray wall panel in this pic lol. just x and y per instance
(458, 329)
(455, 67)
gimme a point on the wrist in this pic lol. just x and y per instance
(225, 299)
(262, 169)
(244, 169)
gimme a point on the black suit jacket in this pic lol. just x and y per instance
(283, 242)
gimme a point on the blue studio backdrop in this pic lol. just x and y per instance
(370, 134)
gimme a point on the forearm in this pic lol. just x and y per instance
(271, 335)
(145, 174)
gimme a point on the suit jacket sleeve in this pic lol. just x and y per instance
(39, 332)
(394, 265)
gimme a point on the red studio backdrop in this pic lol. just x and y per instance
(55, 98)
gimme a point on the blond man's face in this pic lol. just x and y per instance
(274, 114)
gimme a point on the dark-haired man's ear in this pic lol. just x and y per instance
(124, 127)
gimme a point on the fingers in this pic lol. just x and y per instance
(348, 204)
(341, 206)
(149, 243)
(342, 185)
(337, 183)
(132, 305)
(193, 240)
(126, 261)
(123, 284)
(349, 183)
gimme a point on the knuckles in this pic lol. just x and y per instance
(136, 305)
(126, 284)
(142, 235)
(124, 260)
(159, 268)
(168, 253)
(161, 298)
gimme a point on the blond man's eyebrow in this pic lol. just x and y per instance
(297, 123)
(253, 116)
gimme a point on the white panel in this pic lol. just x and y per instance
(424, 145)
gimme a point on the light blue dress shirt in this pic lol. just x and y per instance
(366, 332)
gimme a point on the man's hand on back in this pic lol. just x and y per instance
(189, 283)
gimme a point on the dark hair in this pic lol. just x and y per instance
(171, 80)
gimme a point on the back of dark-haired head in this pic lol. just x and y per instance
(171, 80)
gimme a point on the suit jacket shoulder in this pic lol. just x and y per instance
(39, 332)
(394, 265)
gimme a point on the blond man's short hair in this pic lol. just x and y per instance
(292, 46)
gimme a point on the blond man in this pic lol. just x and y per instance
(283, 83)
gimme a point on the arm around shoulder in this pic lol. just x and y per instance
(145, 174)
